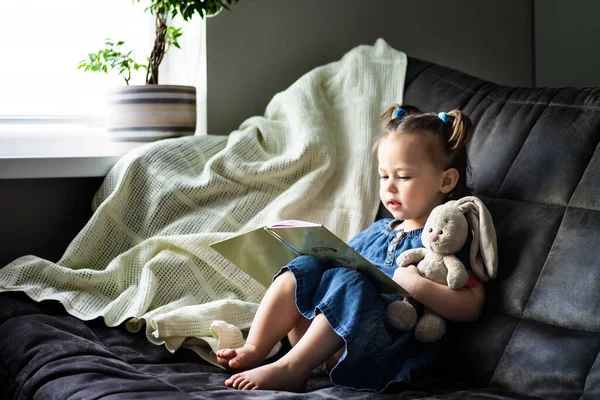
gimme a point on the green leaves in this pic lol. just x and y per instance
(110, 58)
(171, 37)
(187, 8)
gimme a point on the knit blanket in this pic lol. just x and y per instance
(143, 258)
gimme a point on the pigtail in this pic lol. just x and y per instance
(392, 118)
(398, 112)
(462, 129)
(388, 115)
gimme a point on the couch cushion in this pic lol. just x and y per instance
(45, 353)
(535, 164)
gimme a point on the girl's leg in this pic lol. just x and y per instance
(291, 371)
(300, 329)
(275, 318)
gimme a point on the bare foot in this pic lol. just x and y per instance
(275, 376)
(245, 357)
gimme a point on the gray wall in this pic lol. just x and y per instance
(42, 216)
(263, 46)
(567, 43)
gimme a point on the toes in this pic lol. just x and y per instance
(226, 353)
(245, 385)
(224, 356)
(231, 380)
(237, 361)
(234, 363)
(230, 358)
(233, 384)
(229, 352)
(223, 361)
(238, 381)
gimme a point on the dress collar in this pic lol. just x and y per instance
(391, 231)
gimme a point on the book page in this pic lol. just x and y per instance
(292, 223)
(262, 252)
(318, 241)
(257, 253)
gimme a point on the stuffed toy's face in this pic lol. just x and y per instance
(446, 230)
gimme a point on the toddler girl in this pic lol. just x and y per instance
(334, 315)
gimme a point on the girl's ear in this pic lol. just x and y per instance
(449, 180)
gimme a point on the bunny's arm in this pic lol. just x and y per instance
(412, 256)
(457, 273)
(462, 305)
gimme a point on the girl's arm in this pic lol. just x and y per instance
(459, 305)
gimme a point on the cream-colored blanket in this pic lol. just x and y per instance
(143, 258)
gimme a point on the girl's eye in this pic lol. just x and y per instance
(440, 232)
(404, 178)
(383, 177)
(430, 230)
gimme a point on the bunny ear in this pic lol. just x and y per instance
(484, 249)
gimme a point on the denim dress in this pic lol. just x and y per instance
(376, 354)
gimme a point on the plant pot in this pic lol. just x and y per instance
(146, 113)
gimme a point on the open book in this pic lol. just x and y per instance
(263, 251)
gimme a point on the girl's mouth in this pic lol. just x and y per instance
(394, 205)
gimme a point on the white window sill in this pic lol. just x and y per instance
(25, 155)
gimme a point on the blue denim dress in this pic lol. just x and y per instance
(376, 354)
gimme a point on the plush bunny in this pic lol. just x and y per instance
(444, 234)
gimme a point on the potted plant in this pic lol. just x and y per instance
(151, 111)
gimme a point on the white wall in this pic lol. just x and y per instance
(567, 43)
(262, 46)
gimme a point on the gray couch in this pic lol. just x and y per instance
(536, 166)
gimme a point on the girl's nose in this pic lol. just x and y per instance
(433, 238)
(390, 186)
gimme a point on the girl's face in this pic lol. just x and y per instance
(411, 184)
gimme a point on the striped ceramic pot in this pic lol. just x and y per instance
(150, 112)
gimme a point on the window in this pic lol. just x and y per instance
(44, 41)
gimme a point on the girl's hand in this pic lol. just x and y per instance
(407, 277)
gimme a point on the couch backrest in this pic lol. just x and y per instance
(536, 165)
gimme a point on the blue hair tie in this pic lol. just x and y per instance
(443, 116)
(399, 113)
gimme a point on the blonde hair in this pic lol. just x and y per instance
(451, 136)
